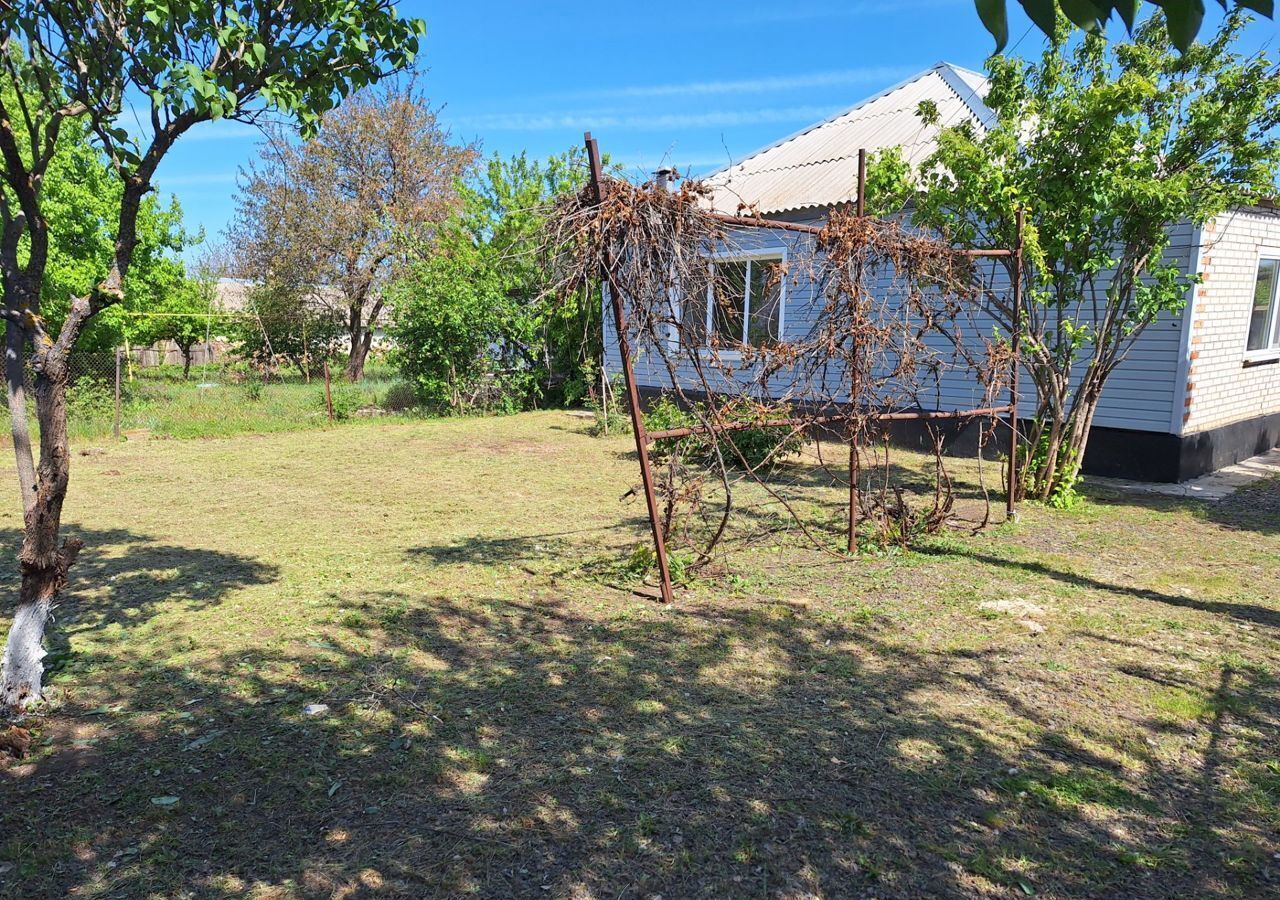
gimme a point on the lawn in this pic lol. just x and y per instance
(408, 659)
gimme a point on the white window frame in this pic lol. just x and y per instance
(1270, 351)
(772, 254)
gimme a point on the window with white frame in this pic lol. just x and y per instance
(739, 305)
(1264, 317)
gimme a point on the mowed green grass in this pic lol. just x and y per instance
(504, 714)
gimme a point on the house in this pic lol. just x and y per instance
(1199, 390)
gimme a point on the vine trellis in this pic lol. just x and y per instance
(892, 312)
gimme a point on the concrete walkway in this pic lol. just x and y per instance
(1211, 487)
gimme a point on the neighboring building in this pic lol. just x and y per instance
(1199, 390)
(233, 296)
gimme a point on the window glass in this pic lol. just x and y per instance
(693, 309)
(730, 291)
(1263, 331)
(746, 298)
(763, 301)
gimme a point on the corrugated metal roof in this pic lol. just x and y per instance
(819, 165)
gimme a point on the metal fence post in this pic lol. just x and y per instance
(854, 472)
(633, 395)
(115, 430)
(328, 392)
(1011, 502)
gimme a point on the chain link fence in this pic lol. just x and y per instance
(142, 393)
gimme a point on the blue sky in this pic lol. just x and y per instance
(691, 84)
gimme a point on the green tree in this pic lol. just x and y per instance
(340, 212)
(504, 213)
(1106, 146)
(79, 193)
(188, 62)
(1183, 18)
(180, 309)
(453, 330)
(285, 323)
(486, 268)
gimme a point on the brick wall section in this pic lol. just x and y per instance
(1220, 388)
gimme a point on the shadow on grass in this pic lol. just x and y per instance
(1248, 612)
(123, 577)
(1254, 507)
(525, 548)
(528, 749)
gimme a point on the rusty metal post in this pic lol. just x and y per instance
(1011, 502)
(862, 182)
(328, 392)
(854, 472)
(115, 428)
(633, 396)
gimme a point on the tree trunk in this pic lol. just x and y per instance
(361, 344)
(15, 381)
(186, 362)
(44, 564)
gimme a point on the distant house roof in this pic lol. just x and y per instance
(233, 295)
(818, 166)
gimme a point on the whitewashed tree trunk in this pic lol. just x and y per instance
(23, 665)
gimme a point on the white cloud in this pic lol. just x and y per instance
(874, 75)
(641, 121)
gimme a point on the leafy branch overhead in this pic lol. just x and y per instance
(1182, 17)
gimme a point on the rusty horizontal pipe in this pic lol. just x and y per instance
(909, 416)
(757, 222)
(801, 228)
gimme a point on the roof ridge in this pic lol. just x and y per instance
(827, 121)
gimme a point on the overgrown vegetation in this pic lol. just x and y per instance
(226, 399)
(479, 322)
(752, 447)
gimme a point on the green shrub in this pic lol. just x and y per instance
(90, 398)
(1064, 493)
(754, 446)
(611, 415)
(399, 397)
(347, 398)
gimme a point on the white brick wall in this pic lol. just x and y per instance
(1221, 389)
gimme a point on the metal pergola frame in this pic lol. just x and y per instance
(644, 438)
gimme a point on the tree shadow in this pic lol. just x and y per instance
(1254, 507)
(523, 748)
(123, 577)
(1247, 612)
(526, 548)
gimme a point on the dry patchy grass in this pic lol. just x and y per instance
(505, 717)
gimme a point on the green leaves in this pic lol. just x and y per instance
(1183, 18)
(996, 20)
(1108, 147)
